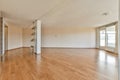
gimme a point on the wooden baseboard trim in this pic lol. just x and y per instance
(17, 48)
(25, 47)
(108, 51)
(14, 49)
(65, 48)
(111, 52)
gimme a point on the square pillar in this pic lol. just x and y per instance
(0, 35)
(38, 37)
(119, 45)
(2, 49)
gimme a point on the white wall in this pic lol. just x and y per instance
(14, 37)
(27, 37)
(73, 37)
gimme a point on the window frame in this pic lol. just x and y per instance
(107, 48)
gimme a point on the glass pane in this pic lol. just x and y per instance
(111, 36)
(102, 38)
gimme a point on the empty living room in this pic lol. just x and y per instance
(59, 40)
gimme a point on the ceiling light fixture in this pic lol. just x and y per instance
(105, 14)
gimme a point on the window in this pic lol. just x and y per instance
(107, 37)
(110, 34)
(102, 37)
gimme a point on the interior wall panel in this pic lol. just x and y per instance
(0, 35)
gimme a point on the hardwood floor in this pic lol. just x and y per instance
(59, 64)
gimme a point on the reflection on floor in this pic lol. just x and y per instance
(59, 64)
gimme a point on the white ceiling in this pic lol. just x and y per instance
(62, 13)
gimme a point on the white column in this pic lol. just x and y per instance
(2, 25)
(119, 45)
(119, 50)
(2, 48)
(0, 35)
(38, 37)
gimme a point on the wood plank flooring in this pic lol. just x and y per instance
(59, 64)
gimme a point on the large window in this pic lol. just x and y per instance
(107, 38)
(111, 36)
(102, 37)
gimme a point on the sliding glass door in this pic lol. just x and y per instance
(108, 38)
(111, 36)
